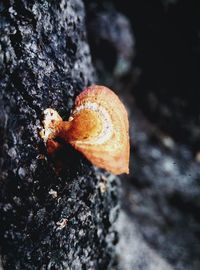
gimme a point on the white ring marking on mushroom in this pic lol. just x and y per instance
(104, 115)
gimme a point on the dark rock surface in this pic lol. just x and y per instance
(111, 40)
(49, 219)
(159, 225)
(168, 55)
(162, 194)
(133, 252)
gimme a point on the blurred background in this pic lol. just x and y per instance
(149, 53)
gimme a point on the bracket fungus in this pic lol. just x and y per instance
(98, 128)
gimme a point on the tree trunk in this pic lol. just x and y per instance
(54, 214)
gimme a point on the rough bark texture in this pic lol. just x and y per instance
(45, 62)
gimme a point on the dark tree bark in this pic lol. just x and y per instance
(50, 219)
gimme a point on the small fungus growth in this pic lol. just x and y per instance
(98, 128)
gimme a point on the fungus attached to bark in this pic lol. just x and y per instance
(98, 128)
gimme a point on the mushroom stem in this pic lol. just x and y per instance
(62, 130)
